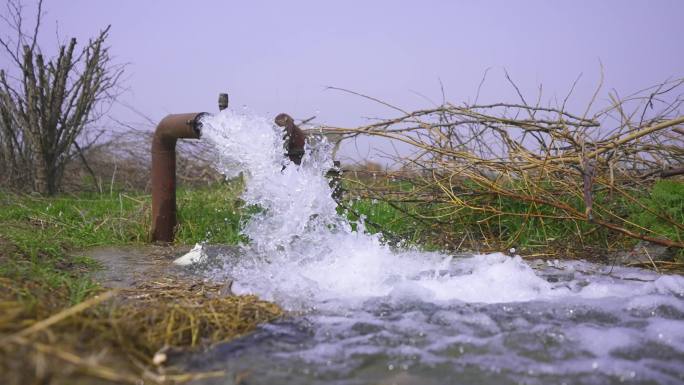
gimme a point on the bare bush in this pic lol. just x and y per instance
(47, 103)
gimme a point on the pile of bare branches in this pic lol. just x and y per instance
(553, 165)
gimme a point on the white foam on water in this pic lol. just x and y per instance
(305, 256)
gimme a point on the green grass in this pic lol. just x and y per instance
(40, 236)
(666, 197)
(44, 232)
(442, 225)
(209, 214)
(213, 214)
(396, 225)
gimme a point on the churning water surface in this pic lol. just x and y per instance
(366, 313)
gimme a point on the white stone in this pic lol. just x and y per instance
(196, 255)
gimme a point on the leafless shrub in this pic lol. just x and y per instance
(46, 103)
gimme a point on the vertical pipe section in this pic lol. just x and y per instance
(294, 137)
(169, 130)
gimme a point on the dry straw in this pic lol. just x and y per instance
(135, 327)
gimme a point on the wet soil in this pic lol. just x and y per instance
(129, 266)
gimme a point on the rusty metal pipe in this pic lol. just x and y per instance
(169, 130)
(294, 137)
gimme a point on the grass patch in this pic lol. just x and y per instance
(532, 228)
(40, 234)
(666, 198)
(40, 225)
(213, 214)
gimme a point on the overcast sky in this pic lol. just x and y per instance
(278, 56)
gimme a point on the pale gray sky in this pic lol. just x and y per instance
(278, 56)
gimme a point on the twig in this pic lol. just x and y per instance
(66, 313)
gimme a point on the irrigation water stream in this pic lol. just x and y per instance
(367, 313)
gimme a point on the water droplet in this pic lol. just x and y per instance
(390, 367)
(594, 365)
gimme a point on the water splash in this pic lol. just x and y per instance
(404, 308)
(298, 241)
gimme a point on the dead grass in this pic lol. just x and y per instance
(120, 336)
